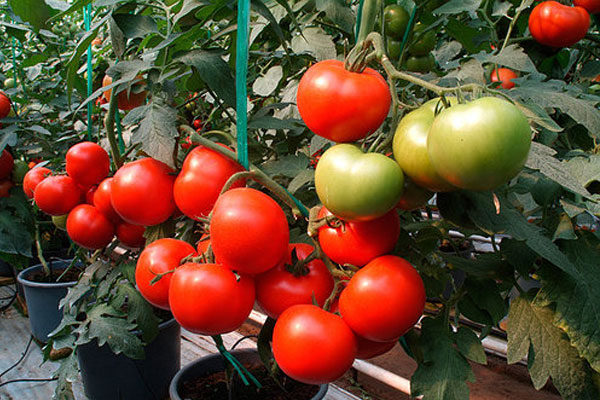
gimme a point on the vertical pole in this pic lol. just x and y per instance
(87, 16)
(241, 72)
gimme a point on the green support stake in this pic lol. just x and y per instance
(241, 72)
(87, 16)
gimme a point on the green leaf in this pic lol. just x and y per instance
(304, 177)
(35, 12)
(82, 287)
(135, 26)
(469, 345)
(316, 42)
(214, 71)
(512, 56)
(585, 169)
(107, 325)
(338, 13)
(486, 265)
(458, 6)
(265, 85)
(444, 372)
(551, 356)
(289, 166)
(117, 37)
(139, 311)
(66, 374)
(482, 302)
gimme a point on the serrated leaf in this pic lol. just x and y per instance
(66, 374)
(469, 72)
(458, 6)
(107, 325)
(316, 42)
(585, 169)
(482, 302)
(530, 325)
(446, 53)
(35, 12)
(117, 38)
(338, 13)
(214, 71)
(501, 8)
(289, 166)
(135, 26)
(265, 85)
(82, 287)
(301, 179)
(140, 312)
(444, 372)
(512, 56)
(469, 345)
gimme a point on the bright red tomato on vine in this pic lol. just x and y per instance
(32, 178)
(102, 201)
(340, 105)
(4, 105)
(89, 228)
(127, 99)
(592, 6)
(556, 25)
(504, 76)
(7, 163)
(131, 235)
(57, 195)
(87, 163)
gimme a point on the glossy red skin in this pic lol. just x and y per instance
(32, 178)
(7, 164)
(158, 257)
(208, 299)
(340, 105)
(278, 289)
(57, 195)
(359, 242)
(89, 195)
(369, 349)
(89, 228)
(197, 124)
(102, 201)
(5, 186)
(384, 299)
(202, 177)
(186, 143)
(4, 105)
(203, 245)
(87, 163)
(248, 231)
(312, 345)
(131, 235)
(126, 100)
(505, 75)
(142, 192)
(556, 25)
(592, 6)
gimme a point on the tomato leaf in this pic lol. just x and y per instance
(214, 72)
(511, 56)
(289, 166)
(469, 345)
(107, 325)
(265, 85)
(316, 42)
(66, 374)
(458, 6)
(139, 311)
(482, 302)
(35, 12)
(338, 13)
(531, 331)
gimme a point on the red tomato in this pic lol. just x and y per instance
(504, 75)
(87, 163)
(278, 288)
(369, 349)
(4, 105)
(384, 299)
(89, 228)
(556, 25)
(131, 235)
(142, 192)
(102, 201)
(159, 257)
(7, 163)
(32, 178)
(186, 143)
(203, 175)
(203, 244)
(248, 231)
(592, 6)
(340, 105)
(57, 195)
(89, 195)
(126, 99)
(312, 345)
(5, 186)
(209, 299)
(359, 242)
(197, 124)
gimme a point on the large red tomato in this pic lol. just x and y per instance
(209, 299)
(556, 25)
(359, 242)
(384, 299)
(5, 186)
(127, 99)
(32, 178)
(57, 195)
(4, 105)
(89, 228)
(248, 231)
(278, 288)
(312, 345)
(159, 257)
(87, 163)
(504, 76)
(592, 6)
(203, 175)
(340, 105)
(142, 192)
(131, 235)
(102, 201)
(7, 163)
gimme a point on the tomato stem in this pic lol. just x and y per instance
(109, 125)
(367, 22)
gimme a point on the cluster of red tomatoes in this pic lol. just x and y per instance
(557, 25)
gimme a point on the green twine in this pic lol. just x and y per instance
(241, 74)
(239, 367)
(408, 29)
(87, 12)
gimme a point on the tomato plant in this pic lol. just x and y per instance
(89, 228)
(57, 195)
(556, 25)
(127, 99)
(87, 163)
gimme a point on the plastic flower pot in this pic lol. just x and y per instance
(214, 363)
(110, 376)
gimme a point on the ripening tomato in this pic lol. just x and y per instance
(278, 288)
(367, 349)
(592, 6)
(384, 299)
(129, 98)
(142, 192)
(202, 177)
(87, 163)
(102, 201)
(248, 231)
(89, 195)
(89, 228)
(556, 25)
(210, 299)
(7, 163)
(312, 345)
(504, 76)
(340, 105)
(32, 178)
(359, 242)
(158, 257)
(5, 105)
(57, 195)
(5, 186)
(131, 235)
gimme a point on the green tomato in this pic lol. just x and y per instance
(410, 147)
(426, 42)
(413, 196)
(10, 83)
(420, 64)
(357, 186)
(19, 170)
(479, 145)
(393, 49)
(60, 221)
(395, 19)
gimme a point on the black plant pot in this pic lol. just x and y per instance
(108, 376)
(214, 363)
(6, 269)
(42, 299)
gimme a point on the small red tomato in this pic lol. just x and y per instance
(312, 345)
(4, 105)
(197, 124)
(186, 143)
(5, 186)
(57, 195)
(102, 201)
(87, 163)
(278, 288)
(7, 163)
(131, 235)
(504, 76)
(592, 6)
(158, 257)
(89, 228)
(32, 178)
(209, 299)
(556, 25)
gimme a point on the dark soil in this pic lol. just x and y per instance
(214, 387)
(72, 275)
